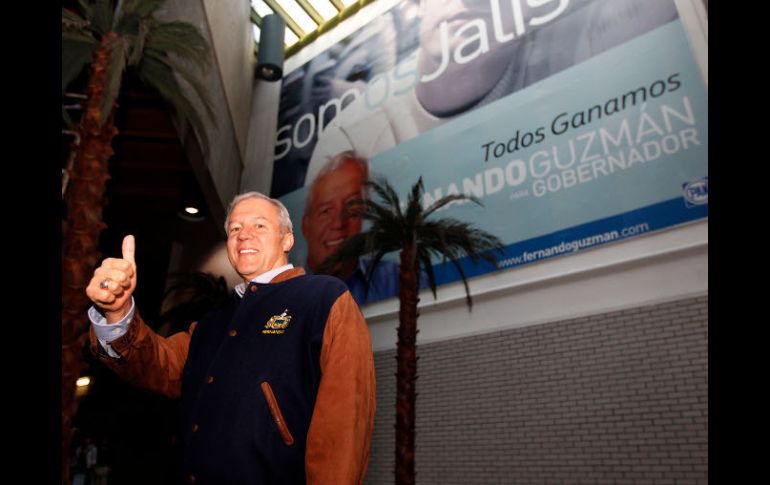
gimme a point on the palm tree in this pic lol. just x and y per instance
(110, 40)
(189, 297)
(419, 240)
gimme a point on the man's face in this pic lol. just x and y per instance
(255, 241)
(327, 222)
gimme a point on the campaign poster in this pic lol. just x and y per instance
(576, 123)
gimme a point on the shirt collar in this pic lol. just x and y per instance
(266, 277)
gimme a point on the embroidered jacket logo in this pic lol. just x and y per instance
(277, 323)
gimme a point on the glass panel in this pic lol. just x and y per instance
(290, 38)
(324, 7)
(299, 15)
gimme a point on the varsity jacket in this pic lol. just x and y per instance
(277, 387)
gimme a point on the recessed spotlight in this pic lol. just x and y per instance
(191, 213)
(83, 382)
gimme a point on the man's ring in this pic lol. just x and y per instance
(104, 284)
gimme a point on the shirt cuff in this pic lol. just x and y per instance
(107, 332)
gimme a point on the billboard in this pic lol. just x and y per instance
(576, 123)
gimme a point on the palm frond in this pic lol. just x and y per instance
(159, 74)
(86, 7)
(142, 8)
(71, 21)
(386, 192)
(137, 46)
(200, 90)
(75, 55)
(452, 239)
(380, 214)
(462, 235)
(448, 199)
(384, 221)
(448, 238)
(423, 255)
(180, 46)
(123, 23)
(135, 12)
(432, 238)
(81, 36)
(459, 268)
(373, 262)
(101, 15)
(414, 205)
(384, 237)
(116, 64)
(181, 39)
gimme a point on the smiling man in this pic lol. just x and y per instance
(257, 241)
(327, 223)
(277, 387)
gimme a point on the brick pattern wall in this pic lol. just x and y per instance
(619, 397)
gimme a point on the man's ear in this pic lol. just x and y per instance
(288, 242)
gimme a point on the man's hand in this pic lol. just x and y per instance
(114, 282)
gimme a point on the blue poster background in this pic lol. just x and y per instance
(613, 147)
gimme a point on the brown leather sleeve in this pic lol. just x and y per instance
(147, 360)
(340, 434)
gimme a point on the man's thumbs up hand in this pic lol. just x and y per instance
(129, 248)
(114, 282)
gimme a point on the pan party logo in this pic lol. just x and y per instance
(696, 192)
(277, 323)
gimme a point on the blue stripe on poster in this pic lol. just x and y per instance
(567, 241)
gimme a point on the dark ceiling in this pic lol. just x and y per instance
(152, 179)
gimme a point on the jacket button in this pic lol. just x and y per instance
(210, 379)
(233, 333)
(191, 478)
(253, 288)
(195, 427)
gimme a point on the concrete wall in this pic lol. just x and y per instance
(590, 368)
(617, 397)
(232, 37)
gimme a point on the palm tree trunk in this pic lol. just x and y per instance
(406, 374)
(80, 235)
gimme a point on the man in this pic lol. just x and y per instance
(277, 387)
(328, 222)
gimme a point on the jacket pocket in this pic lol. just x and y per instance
(275, 411)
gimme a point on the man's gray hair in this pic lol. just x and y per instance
(333, 163)
(284, 220)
